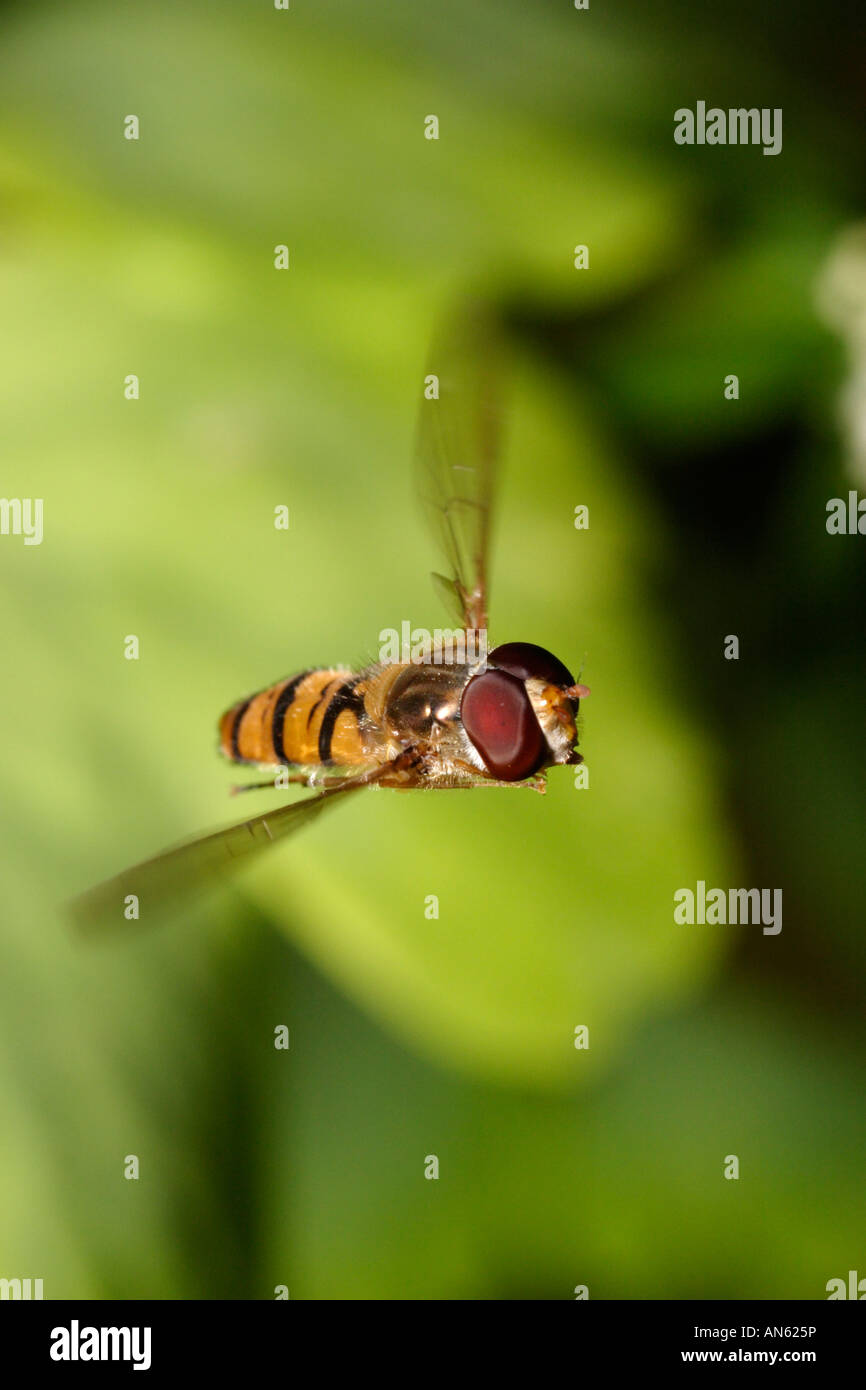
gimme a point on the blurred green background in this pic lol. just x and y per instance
(411, 1037)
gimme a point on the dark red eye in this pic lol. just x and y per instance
(525, 660)
(501, 723)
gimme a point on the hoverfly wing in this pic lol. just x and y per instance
(457, 451)
(167, 883)
(450, 594)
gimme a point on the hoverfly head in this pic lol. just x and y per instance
(520, 714)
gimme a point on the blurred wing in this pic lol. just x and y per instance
(171, 879)
(456, 457)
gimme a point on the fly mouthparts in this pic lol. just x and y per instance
(577, 692)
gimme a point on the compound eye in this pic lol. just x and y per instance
(525, 660)
(501, 723)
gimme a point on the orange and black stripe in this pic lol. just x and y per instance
(281, 707)
(346, 699)
(311, 718)
(237, 716)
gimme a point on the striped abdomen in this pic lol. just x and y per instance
(315, 717)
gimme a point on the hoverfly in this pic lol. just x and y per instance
(502, 719)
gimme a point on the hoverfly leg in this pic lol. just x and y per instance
(532, 784)
(238, 787)
(407, 769)
(282, 779)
